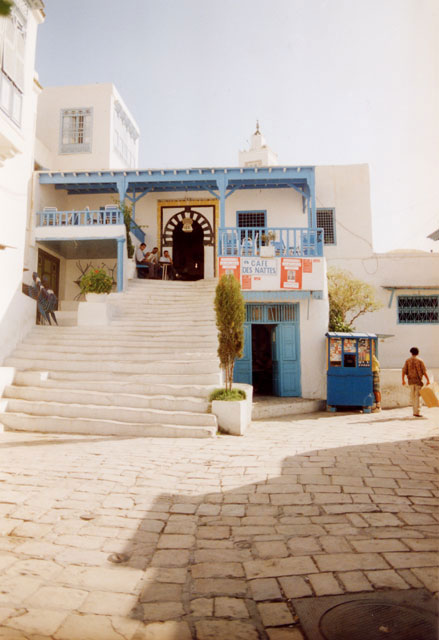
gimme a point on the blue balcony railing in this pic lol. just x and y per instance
(285, 241)
(54, 218)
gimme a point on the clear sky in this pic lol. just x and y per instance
(331, 82)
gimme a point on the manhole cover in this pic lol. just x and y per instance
(388, 615)
(377, 621)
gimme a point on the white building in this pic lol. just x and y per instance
(18, 104)
(85, 126)
(275, 227)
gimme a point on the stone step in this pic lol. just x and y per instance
(107, 398)
(111, 412)
(124, 384)
(271, 407)
(114, 332)
(156, 358)
(149, 351)
(56, 424)
(157, 368)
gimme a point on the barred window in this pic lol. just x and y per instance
(326, 221)
(76, 130)
(250, 219)
(267, 313)
(418, 309)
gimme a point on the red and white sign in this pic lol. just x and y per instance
(230, 266)
(275, 274)
(291, 273)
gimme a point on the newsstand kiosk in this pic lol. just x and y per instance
(349, 370)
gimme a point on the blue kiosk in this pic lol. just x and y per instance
(349, 370)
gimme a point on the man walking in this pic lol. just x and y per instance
(414, 369)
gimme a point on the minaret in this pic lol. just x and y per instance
(259, 154)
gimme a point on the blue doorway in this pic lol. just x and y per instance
(271, 358)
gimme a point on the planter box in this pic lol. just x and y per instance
(96, 297)
(267, 252)
(234, 416)
(91, 314)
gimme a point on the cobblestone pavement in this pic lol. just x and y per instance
(107, 538)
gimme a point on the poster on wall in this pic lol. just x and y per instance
(364, 352)
(229, 266)
(291, 273)
(335, 352)
(274, 274)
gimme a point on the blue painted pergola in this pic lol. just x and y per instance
(133, 185)
(220, 182)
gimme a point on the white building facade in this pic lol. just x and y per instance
(19, 91)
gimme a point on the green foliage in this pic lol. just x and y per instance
(349, 298)
(5, 7)
(227, 394)
(127, 211)
(96, 281)
(230, 316)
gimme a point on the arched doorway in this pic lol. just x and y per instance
(190, 236)
(188, 251)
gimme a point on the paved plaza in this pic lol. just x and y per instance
(105, 538)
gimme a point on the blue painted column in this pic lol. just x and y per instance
(222, 183)
(120, 256)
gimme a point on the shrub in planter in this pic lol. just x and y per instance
(96, 281)
(227, 394)
(230, 316)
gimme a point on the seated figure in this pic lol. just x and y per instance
(141, 255)
(170, 269)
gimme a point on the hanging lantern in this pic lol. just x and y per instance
(187, 224)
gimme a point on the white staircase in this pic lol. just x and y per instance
(148, 373)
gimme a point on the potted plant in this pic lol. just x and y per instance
(230, 405)
(96, 284)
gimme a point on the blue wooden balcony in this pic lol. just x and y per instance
(51, 217)
(285, 241)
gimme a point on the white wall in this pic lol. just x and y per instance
(17, 311)
(100, 97)
(397, 269)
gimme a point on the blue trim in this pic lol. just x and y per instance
(277, 296)
(64, 239)
(203, 179)
(120, 256)
(78, 218)
(290, 241)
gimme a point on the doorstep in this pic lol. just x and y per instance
(271, 407)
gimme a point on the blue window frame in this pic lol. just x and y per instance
(418, 309)
(326, 220)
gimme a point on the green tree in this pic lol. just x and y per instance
(349, 298)
(5, 7)
(230, 316)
